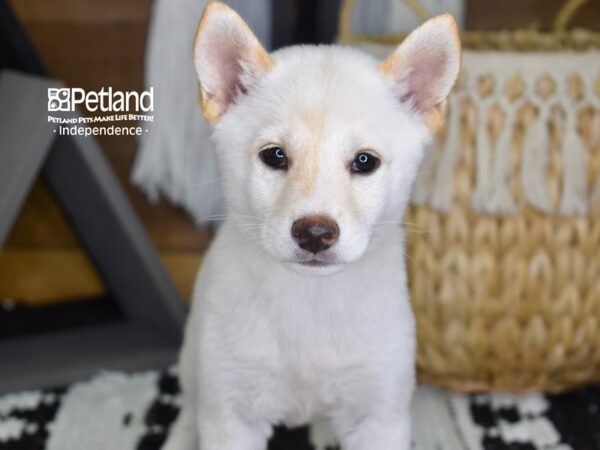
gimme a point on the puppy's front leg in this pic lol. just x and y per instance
(228, 432)
(388, 432)
(183, 434)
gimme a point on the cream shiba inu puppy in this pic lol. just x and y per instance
(301, 309)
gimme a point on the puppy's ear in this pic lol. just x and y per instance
(425, 66)
(228, 59)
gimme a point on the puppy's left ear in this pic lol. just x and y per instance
(424, 68)
(228, 59)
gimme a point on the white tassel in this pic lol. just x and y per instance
(501, 199)
(535, 163)
(574, 159)
(443, 182)
(481, 195)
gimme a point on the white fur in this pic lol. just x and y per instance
(270, 340)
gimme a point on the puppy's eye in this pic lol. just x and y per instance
(365, 163)
(274, 157)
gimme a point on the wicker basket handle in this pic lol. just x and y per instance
(566, 14)
(561, 22)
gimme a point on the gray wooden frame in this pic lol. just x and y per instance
(89, 193)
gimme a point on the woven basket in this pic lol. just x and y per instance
(504, 241)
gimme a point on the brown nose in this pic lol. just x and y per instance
(315, 233)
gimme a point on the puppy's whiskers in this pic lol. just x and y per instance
(407, 256)
(407, 226)
(222, 217)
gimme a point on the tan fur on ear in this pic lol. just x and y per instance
(438, 34)
(436, 117)
(211, 105)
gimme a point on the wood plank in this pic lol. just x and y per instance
(37, 276)
(82, 11)
(52, 275)
(41, 222)
(183, 267)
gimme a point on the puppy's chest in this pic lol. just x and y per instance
(308, 337)
(298, 362)
(302, 379)
(301, 343)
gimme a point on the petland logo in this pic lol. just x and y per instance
(67, 100)
(105, 100)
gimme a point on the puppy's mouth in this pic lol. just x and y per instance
(325, 264)
(314, 263)
(324, 259)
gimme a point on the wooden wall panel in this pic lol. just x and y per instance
(83, 11)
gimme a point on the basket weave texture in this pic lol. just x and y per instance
(504, 227)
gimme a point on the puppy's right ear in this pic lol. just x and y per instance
(424, 68)
(228, 59)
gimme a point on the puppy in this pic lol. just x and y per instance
(301, 309)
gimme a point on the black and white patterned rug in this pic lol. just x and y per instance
(116, 411)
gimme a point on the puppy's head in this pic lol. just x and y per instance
(318, 146)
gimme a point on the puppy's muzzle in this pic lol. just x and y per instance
(315, 233)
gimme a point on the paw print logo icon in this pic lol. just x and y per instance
(59, 99)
